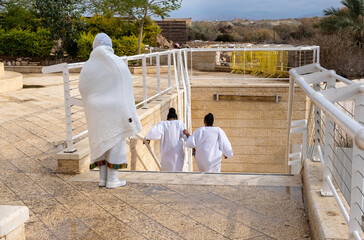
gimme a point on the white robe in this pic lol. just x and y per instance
(210, 144)
(106, 87)
(170, 133)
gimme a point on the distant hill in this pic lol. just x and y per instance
(252, 15)
(268, 24)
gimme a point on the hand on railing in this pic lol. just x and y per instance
(185, 132)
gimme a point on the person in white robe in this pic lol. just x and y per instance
(210, 144)
(106, 88)
(170, 132)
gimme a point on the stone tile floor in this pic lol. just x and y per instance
(74, 207)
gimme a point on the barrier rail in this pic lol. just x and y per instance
(75, 121)
(262, 61)
(334, 129)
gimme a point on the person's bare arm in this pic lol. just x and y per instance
(185, 132)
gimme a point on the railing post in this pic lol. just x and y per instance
(317, 128)
(329, 147)
(144, 63)
(169, 73)
(158, 78)
(289, 117)
(328, 156)
(151, 57)
(357, 176)
(68, 112)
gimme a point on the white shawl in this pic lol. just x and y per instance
(106, 87)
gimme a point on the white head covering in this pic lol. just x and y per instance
(102, 39)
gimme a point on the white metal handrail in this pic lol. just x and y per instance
(328, 118)
(312, 56)
(181, 74)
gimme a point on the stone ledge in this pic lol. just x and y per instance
(325, 218)
(11, 218)
(76, 162)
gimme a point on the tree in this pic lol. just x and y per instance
(60, 16)
(348, 18)
(137, 10)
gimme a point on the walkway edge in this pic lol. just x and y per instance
(325, 218)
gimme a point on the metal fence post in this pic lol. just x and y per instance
(158, 78)
(328, 158)
(144, 63)
(169, 73)
(289, 117)
(328, 148)
(67, 103)
(357, 176)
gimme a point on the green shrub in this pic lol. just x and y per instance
(202, 31)
(84, 45)
(26, 43)
(18, 17)
(337, 52)
(150, 31)
(126, 46)
(225, 38)
(43, 43)
(112, 26)
(261, 35)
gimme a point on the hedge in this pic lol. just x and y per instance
(26, 43)
(124, 46)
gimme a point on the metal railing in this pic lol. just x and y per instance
(333, 134)
(261, 62)
(176, 60)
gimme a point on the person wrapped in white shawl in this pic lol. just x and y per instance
(210, 143)
(170, 133)
(106, 87)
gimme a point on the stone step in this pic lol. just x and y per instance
(196, 178)
(12, 219)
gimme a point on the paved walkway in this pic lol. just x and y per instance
(195, 206)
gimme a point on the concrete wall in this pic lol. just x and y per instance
(10, 81)
(257, 130)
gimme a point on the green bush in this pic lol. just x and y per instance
(112, 26)
(150, 31)
(84, 45)
(26, 43)
(20, 18)
(225, 38)
(126, 46)
(202, 31)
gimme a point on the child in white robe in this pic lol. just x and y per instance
(170, 133)
(210, 144)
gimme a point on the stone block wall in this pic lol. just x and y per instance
(256, 130)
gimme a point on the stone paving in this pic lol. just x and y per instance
(195, 206)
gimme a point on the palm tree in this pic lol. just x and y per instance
(348, 19)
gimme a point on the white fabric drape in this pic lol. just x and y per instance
(170, 133)
(106, 87)
(210, 144)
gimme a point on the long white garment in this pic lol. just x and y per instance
(106, 87)
(210, 144)
(170, 133)
(116, 155)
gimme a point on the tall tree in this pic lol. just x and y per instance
(350, 17)
(137, 10)
(59, 17)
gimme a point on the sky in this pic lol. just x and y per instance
(252, 9)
